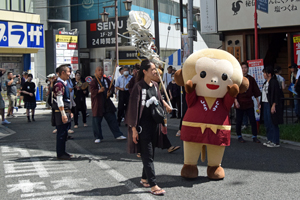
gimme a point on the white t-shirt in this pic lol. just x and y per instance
(167, 79)
(265, 93)
(280, 80)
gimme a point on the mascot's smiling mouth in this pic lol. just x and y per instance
(212, 87)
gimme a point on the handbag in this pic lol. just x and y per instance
(157, 110)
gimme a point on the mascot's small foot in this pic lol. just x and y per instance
(216, 172)
(189, 171)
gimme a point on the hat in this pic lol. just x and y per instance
(294, 65)
(51, 75)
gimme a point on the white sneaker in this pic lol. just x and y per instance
(123, 119)
(5, 122)
(121, 138)
(267, 143)
(97, 141)
(273, 145)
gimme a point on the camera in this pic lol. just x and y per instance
(17, 76)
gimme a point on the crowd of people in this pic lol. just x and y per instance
(135, 90)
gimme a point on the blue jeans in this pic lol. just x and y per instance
(112, 122)
(61, 138)
(272, 129)
(241, 115)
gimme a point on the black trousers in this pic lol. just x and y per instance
(176, 104)
(61, 138)
(147, 155)
(122, 105)
(81, 108)
(239, 119)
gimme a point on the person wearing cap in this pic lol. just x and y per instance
(2, 103)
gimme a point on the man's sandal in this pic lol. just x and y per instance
(158, 192)
(145, 184)
(173, 148)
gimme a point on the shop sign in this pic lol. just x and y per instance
(21, 35)
(123, 55)
(208, 18)
(102, 34)
(238, 14)
(66, 51)
(255, 70)
(296, 41)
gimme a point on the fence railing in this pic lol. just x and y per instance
(289, 111)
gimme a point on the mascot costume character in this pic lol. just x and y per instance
(212, 79)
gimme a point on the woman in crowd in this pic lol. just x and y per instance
(79, 95)
(28, 90)
(143, 133)
(271, 107)
(174, 93)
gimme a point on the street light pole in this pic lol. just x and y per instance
(190, 25)
(156, 26)
(116, 33)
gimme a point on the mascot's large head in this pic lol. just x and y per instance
(212, 70)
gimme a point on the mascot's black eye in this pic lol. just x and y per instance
(203, 74)
(224, 77)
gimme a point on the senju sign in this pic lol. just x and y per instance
(262, 5)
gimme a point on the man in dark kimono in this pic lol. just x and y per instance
(62, 111)
(103, 106)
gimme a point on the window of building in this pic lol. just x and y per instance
(16, 5)
(5, 4)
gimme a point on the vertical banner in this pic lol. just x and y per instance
(296, 41)
(108, 70)
(255, 70)
(208, 10)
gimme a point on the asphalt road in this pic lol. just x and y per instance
(29, 169)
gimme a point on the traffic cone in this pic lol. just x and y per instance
(37, 95)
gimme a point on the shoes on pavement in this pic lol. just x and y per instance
(8, 115)
(76, 126)
(97, 141)
(85, 125)
(64, 157)
(20, 107)
(241, 140)
(256, 140)
(70, 137)
(70, 131)
(54, 131)
(244, 127)
(121, 138)
(178, 133)
(266, 143)
(13, 116)
(87, 114)
(5, 122)
(173, 148)
(33, 119)
(273, 145)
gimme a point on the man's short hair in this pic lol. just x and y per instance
(8, 73)
(121, 68)
(137, 66)
(126, 67)
(30, 75)
(63, 68)
(170, 67)
(244, 63)
(25, 73)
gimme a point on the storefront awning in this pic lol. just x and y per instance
(19, 50)
(129, 62)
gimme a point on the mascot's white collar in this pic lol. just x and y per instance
(205, 106)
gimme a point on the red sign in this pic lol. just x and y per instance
(296, 41)
(93, 27)
(74, 60)
(256, 63)
(72, 46)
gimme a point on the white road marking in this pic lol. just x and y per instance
(26, 186)
(70, 182)
(116, 175)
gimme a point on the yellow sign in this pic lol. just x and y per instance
(66, 38)
(296, 39)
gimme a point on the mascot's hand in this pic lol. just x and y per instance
(244, 86)
(189, 86)
(233, 90)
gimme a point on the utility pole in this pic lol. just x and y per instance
(190, 25)
(255, 31)
(156, 25)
